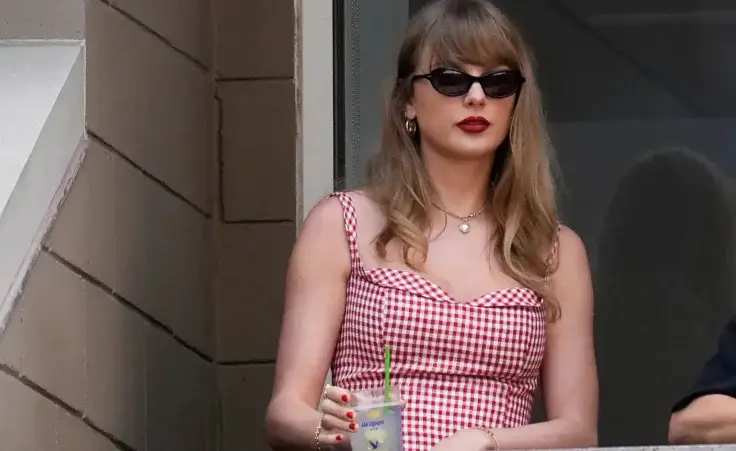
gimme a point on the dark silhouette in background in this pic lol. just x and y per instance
(664, 289)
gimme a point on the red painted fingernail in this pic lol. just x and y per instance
(338, 438)
(345, 398)
(350, 415)
(353, 426)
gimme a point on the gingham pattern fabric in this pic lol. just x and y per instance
(458, 365)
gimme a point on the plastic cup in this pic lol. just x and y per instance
(379, 422)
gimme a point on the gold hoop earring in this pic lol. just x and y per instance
(411, 126)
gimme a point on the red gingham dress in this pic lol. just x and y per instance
(458, 365)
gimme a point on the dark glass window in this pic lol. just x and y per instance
(642, 111)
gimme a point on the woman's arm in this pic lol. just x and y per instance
(313, 312)
(569, 375)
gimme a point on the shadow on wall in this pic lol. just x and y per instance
(664, 289)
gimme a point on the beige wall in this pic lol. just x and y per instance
(111, 345)
(150, 320)
(256, 92)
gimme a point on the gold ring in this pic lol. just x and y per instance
(324, 392)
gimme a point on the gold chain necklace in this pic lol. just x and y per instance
(464, 224)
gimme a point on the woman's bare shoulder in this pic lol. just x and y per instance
(571, 247)
(369, 213)
(321, 241)
(327, 213)
(370, 220)
(362, 198)
(571, 278)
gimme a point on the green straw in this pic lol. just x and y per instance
(387, 372)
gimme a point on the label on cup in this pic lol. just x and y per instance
(374, 430)
(380, 429)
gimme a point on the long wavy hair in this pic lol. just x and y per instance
(521, 193)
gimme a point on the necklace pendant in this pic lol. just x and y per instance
(464, 227)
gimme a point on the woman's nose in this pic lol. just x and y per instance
(475, 95)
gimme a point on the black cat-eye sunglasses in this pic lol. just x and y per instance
(454, 83)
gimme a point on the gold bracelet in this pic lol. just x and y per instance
(320, 427)
(318, 431)
(492, 436)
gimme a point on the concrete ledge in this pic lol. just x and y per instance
(42, 19)
(659, 448)
(42, 119)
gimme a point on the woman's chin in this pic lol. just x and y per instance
(470, 152)
(463, 147)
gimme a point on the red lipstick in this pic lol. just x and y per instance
(474, 124)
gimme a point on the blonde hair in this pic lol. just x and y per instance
(521, 193)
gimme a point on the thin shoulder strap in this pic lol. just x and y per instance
(351, 227)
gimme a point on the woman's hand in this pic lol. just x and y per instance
(466, 440)
(338, 418)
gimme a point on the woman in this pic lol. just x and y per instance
(453, 256)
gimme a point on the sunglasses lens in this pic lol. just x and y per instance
(453, 83)
(501, 84)
(450, 83)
